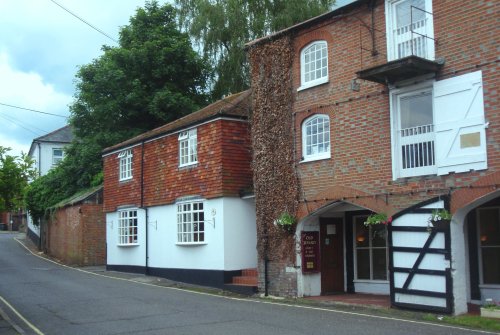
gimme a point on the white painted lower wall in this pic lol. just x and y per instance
(31, 226)
(230, 238)
(131, 255)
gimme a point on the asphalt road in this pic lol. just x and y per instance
(60, 300)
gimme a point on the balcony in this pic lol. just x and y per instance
(410, 46)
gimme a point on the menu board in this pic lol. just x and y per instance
(310, 251)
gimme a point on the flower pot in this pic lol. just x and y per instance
(441, 224)
(490, 313)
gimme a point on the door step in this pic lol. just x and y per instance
(247, 283)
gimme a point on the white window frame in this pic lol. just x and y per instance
(125, 165)
(191, 230)
(480, 250)
(57, 159)
(392, 52)
(370, 248)
(305, 125)
(128, 227)
(395, 96)
(188, 151)
(304, 84)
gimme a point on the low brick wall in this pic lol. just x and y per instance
(77, 235)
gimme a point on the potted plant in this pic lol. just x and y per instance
(378, 218)
(440, 218)
(286, 221)
(491, 309)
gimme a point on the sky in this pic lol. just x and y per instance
(41, 49)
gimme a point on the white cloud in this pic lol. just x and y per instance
(27, 90)
(41, 47)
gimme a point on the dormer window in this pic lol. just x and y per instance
(314, 65)
(125, 164)
(188, 153)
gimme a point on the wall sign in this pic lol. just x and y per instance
(310, 251)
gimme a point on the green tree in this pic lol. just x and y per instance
(151, 78)
(15, 172)
(222, 27)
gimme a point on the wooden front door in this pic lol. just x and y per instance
(332, 255)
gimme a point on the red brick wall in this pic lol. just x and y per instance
(223, 168)
(77, 235)
(360, 121)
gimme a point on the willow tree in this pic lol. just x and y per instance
(222, 27)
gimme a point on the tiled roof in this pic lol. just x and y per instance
(236, 105)
(61, 135)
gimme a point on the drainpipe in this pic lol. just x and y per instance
(145, 209)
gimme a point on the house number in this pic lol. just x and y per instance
(213, 212)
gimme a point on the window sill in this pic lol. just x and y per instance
(190, 244)
(126, 179)
(313, 84)
(368, 281)
(314, 159)
(194, 164)
(493, 286)
(128, 245)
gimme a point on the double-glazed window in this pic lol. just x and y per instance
(314, 64)
(127, 227)
(188, 153)
(125, 164)
(190, 222)
(316, 138)
(370, 250)
(489, 244)
(57, 155)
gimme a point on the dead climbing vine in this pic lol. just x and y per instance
(275, 179)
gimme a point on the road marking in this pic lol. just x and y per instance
(29, 324)
(259, 301)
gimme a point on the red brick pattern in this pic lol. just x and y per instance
(223, 168)
(360, 121)
(77, 235)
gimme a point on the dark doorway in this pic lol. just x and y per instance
(332, 255)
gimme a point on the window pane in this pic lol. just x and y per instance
(416, 110)
(379, 259)
(379, 236)
(362, 237)
(489, 227)
(363, 263)
(491, 265)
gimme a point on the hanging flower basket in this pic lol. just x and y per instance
(378, 219)
(440, 219)
(286, 221)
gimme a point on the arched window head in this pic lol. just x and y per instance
(314, 65)
(316, 138)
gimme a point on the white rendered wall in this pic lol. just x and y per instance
(131, 255)
(45, 163)
(230, 237)
(309, 284)
(240, 234)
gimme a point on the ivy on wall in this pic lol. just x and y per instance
(275, 178)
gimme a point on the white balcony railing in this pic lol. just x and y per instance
(411, 40)
(417, 151)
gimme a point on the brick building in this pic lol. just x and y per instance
(177, 198)
(387, 107)
(76, 231)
